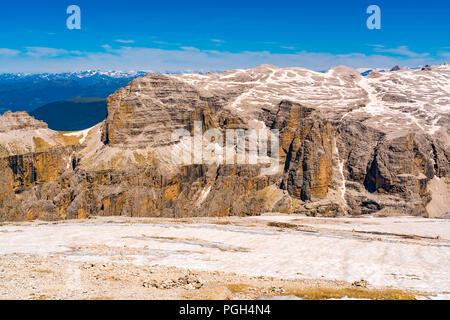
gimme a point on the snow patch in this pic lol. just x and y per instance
(82, 133)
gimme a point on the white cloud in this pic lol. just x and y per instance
(160, 42)
(124, 41)
(376, 45)
(9, 52)
(190, 58)
(189, 49)
(42, 52)
(401, 50)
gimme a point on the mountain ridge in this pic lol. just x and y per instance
(349, 145)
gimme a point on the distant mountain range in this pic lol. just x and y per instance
(26, 92)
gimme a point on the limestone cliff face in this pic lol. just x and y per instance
(347, 145)
(306, 150)
(390, 173)
(149, 109)
(23, 177)
(39, 167)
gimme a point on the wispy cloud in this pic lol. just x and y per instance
(288, 47)
(190, 49)
(165, 43)
(217, 40)
(124, 41)
(375, 45)
(40, 52)
(160, 42)
(9, 52)
(191, 58)
(401, 50)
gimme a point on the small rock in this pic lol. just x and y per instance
(361, 283)
(188, 282)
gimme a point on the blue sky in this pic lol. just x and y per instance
(219, 35)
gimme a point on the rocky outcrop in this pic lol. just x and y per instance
(24, 177)
(347, 145)
(390, 173)
(39, 167)
(21, 134)
(19, 121)
(146, 112)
